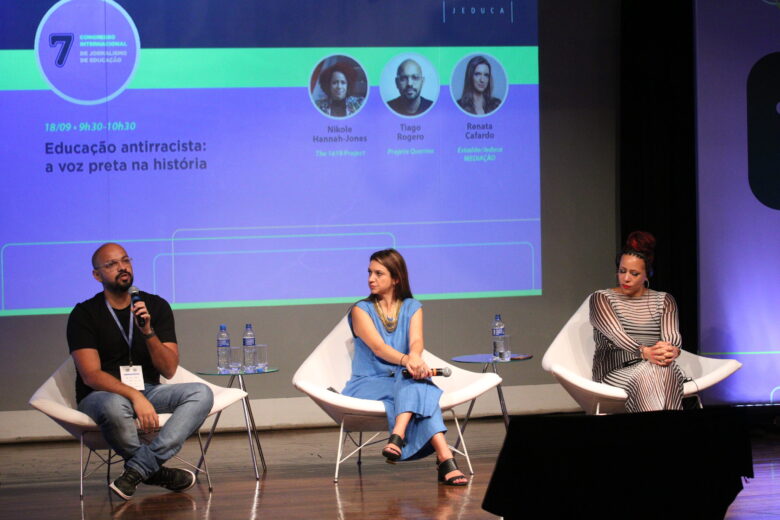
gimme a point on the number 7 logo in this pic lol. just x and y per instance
(65, 41)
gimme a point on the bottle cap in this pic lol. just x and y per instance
(248, 325)
(222, 327)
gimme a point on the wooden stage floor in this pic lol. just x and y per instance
(40, 481)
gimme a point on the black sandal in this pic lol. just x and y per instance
(395, 440)
(448, 466)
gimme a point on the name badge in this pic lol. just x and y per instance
(132, 376)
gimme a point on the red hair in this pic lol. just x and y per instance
(642, 245)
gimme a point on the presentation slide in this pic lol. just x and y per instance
(738, 127)
(256, 153)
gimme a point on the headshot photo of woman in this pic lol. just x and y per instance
(339, 86)
(483, 85)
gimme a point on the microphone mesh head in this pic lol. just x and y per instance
(133, 290)
(446, 371)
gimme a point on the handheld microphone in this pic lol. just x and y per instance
(444, 372)
(135, 297)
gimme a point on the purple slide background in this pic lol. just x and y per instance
(292, 224)
(739, 238)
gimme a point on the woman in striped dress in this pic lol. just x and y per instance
(637, 334)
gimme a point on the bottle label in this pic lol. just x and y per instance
(498, 331)
(223, 343)
(249, 342)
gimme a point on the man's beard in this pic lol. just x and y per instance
(118, 286)
(411, 94)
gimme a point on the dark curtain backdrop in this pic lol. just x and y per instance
(657, 161)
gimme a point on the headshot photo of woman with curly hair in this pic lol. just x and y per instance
(339, 86)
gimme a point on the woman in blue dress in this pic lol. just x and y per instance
(388, 330)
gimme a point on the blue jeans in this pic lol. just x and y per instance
(189, 403)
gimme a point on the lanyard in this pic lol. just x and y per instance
(128, 340)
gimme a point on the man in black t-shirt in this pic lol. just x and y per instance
(121, 349)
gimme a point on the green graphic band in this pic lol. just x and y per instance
(253, 68)
(299, 301)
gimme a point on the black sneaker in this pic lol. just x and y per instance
(174, 479)
(125, 485)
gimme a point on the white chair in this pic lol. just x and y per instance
(57, 399)
(570, 359)
(328, 368)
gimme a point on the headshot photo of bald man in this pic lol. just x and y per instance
(409, 85)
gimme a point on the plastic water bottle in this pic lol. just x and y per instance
(223, 350)
(499, 340)
(250, 350)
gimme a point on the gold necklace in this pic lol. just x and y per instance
(390, 322)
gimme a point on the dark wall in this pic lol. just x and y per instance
(657, 165)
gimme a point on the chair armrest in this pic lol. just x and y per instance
(344, 402)
(587, 385)
(224, 397)
(474, 389)
(61, 413)
(721, 372)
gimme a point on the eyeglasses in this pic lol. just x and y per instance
(113, 264)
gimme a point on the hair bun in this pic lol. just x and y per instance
(641, 242)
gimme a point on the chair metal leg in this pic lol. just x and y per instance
(108, 468)
(205, 464)
(256, 435)
(214, 426)
(340, 450)
(360, 452)
(503, 405)
(471, 407)
(501, 398)
(245, 406)
(360, 444)
(81, 467)
(466, 419)
(83, 470)
(465, 451)
(208, 440)
(251, 429)
(111, 454)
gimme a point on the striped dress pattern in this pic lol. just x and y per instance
(621, 324)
